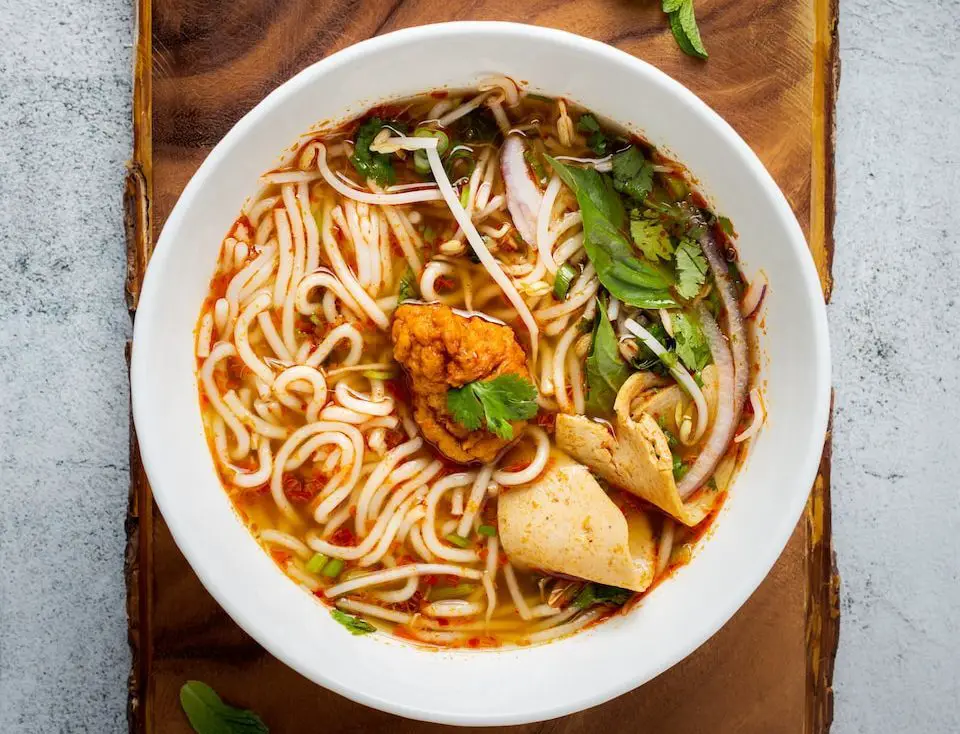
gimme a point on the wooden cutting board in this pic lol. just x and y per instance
(201, 64)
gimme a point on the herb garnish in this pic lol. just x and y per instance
(632, 173)
(601, 594)
(208, 714)
(409, 288)
(683, 24)
(646, 360)
(494, 404)
(355, 625)
(650, 237)
(368, 164)
(597, 141)
(606, 370)
(622, 273)
(691, 268)
(692, 347)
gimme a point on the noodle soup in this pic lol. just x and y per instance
(475, 367)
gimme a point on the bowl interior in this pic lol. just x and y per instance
(493, 687)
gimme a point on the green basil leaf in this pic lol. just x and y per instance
(605, 368)
(683, 24)
(208, 714)
(589, 184)
(621, 272)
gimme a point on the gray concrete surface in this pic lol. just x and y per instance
(64, 136)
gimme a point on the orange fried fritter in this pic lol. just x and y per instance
(440, 349)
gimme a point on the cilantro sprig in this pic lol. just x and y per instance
(493, 404)
(691, 268)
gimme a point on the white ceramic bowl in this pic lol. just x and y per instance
(484, 687)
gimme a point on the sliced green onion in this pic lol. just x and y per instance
(458, 540)
(443, 142)
(316, 564)
(679, 468)
(488, 530)
(450, 592)
(465, 196)
(379, 374)
(420, 161)
(333, 568)
(561, 284)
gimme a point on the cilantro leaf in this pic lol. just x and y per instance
(683, 25)
(409, 288)
(597, 141)
(692, 347)
(623, 274)
(601, 594)
(691, 268)
(632, 173)
(368, 164)
(605, 368)
(499, 402)
(208, 714)
(465, 407)
(651, 238)
(355, 625)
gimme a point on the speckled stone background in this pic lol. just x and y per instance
(65, 85)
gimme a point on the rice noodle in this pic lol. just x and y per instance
(474, 500)
(359, 607)
(285, 540)
(298, 437)
(221, 351)
(534, 468)
(378, 578)
(428, 531)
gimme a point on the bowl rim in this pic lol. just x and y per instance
(813, 300)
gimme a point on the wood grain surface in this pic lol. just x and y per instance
(201, 64)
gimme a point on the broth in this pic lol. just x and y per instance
(417, 378)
